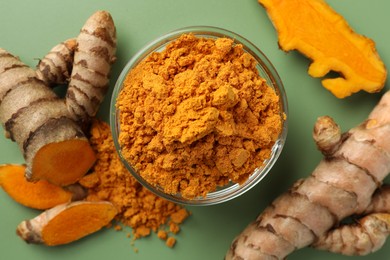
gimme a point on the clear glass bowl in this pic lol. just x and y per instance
(266, 70)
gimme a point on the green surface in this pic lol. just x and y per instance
(30, 28)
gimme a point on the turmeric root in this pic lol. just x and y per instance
(48, 131)
(56, 67)
(53, 145)
(380, 201)
(362, 238)
(66, 223)
(342, 185)
(367, 235)
(93, 58)
(313, 28)
(37, 195)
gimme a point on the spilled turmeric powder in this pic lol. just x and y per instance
(110, 181)
(197, 115)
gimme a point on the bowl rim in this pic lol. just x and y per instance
(235, 190)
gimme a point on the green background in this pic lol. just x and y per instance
(30, 28)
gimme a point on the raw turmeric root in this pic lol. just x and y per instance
(362, 238)
(37, 195)
(93, 58)
(380, 201)
(345, 183)
(367, 235)
(50, 131)
(313, 28)
(66, 223)
(53, 145)
(55, 68)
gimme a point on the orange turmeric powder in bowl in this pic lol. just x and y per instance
(199, 116)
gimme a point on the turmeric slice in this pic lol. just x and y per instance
(75, 156)
(66, 223)
(313, 28)
(37, 195)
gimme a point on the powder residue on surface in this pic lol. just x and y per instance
(197, 115)
(170, 242)
(109, 180)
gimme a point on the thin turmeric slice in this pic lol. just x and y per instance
(37, 195)
(66, 223)
(313, 28)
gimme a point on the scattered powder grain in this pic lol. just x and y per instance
(174, 228)
(171, 241)
(118, 227)
(162, 234)
(109, 180)
(197, 115)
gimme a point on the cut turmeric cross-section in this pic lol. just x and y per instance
(37, 195)
(75, 157)
(66, 223)
(313, 28)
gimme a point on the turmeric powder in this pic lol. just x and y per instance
(110, 181)
(197, 115)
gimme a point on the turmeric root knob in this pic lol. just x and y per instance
(327, 135)
(66, 223)
(56, 66)
(362, 238)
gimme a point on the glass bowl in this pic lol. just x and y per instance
(266, 71)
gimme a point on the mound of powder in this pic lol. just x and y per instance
(197, 115)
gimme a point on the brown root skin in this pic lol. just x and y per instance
(343, 184)
(95, 53)
(78, 192)
(38, 195)
(362, 238)
(55, 68)
(327, 135)
(66, 223)
(380, 202)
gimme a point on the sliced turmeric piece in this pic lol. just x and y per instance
(313, 28)
(66, 223)
(37, 195)
(75, 156)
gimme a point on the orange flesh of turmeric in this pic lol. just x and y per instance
(63, 163)
(37, 195)
(76, 222)
(313, 28)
